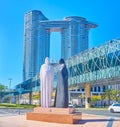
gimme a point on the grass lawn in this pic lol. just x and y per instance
(93, 108)
(8, 105)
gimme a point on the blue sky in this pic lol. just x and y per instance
(106, 13)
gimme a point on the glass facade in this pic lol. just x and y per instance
(99, 66)
(74, 39)
(33, 48)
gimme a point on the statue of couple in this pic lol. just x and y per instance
(46, 82)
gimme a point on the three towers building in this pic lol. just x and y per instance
(37, 29)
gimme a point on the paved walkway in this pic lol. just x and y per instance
(88, 121)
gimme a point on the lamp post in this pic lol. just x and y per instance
(20, 90)
(109, 97)
(10, 80)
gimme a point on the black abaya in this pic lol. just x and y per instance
(61, 97)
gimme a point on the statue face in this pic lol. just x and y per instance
(47, 60)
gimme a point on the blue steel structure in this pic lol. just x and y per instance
(98, 65)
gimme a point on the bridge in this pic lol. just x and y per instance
(98, 65)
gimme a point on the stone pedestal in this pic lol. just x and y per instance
(56, 115)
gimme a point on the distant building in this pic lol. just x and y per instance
(37, 28)
(34, 50)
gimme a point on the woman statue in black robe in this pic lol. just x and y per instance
(61, 97)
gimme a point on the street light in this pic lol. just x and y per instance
(109, 90)
(20, 90)
(10, 80)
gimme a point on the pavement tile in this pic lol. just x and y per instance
(87, 121)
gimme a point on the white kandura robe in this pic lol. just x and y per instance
(46, 82)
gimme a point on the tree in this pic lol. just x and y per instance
(95, 98)
(2, 87)
(111, 95)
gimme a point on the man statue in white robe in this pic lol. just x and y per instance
(46, 82)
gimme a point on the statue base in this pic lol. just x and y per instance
(56, 115)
